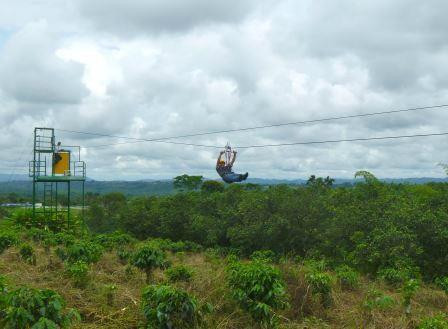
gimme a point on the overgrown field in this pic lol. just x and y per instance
(371, 256)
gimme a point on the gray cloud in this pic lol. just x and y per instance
(30, 71)
(146, 17)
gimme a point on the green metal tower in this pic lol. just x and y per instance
(54, 165)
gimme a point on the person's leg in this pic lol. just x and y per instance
(234, 178)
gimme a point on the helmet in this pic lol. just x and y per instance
(222, 162)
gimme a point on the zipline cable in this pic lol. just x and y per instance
(247, 128)
(359, 139)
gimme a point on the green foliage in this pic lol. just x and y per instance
(65, 239)
(179, 273)
(7, 240)
(264, 255)
(408, 291)
(443, 283)
(348, 278)
(148, 258)
(368, 177)
(394, 277)
(211, 186)
(27, 307)
(110, 290)
(178, 246)
(377, 300)
(27, 253)
(167, 307)
(436, 322)
(79, 272)
(84, 251)
(113, 240)
(259, 289)
(186, 182)
(320, 283)
(124, 255)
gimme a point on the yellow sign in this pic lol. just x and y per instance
(61, 163)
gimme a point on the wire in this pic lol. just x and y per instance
(359, 139)
(137, 140)
(343, 140)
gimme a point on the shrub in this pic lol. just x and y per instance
(110, 290)
(7, 240)
(124, 256)
(436, 322)
(79, 272)
(37, 234)
(259, 289)
(377, 300)
(395, 277)
(84, 251)
(64, 239)
(408, 292)
(348, 278)
(27, 254)
(443, 283)
(320, 284)
(263, 255)
(27, 307)
(167, 307)
(179, 273)
(148, 258)
(113, 240)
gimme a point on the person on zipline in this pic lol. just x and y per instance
(225, 169)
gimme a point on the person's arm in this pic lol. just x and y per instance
(234, 158)
(219, 158)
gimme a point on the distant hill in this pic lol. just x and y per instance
(22, 184)
(14, 177)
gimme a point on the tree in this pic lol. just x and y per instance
(212, 186)
(186, 182)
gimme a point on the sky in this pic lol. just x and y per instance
(152, 68)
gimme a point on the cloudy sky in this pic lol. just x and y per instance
(153, 68)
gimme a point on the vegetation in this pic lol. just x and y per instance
(26, 307)
(315, 256)
(148, 258)
(259, 289)
(167, 307)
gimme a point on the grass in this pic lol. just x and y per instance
(209, 285)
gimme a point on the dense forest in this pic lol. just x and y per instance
(373, 226)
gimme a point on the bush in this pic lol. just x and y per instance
(259, 289)
(87, 252)
(377, 300)
(124, 256)
(148, 258)
(264, 255)
(37, 234)
(79, 272)
(408, 292)
(179, 273)
(64, 239)
(436, 322)
(443, 283)
(7, 240)
(320, 284)
(167, 307)
(394, 277)
(27, 254)
(27, 307)
(113, 240)
(348, 278)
